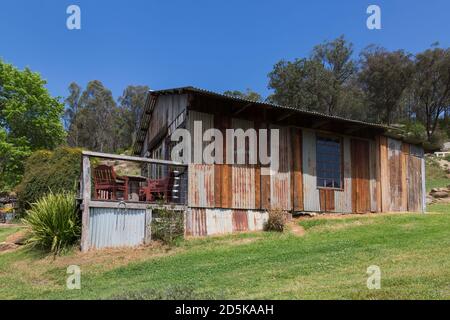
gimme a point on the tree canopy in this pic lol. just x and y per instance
(95, 121)
(389, 87)
(30, 119)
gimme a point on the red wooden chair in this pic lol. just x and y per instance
(107, 183)
(156, 189)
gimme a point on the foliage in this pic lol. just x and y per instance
(53, 222)
(384, 76)
(45, 171)
(335, 57)
(167, 225)
(324, 82)
(411, 248)
(383, 86)
(248, 95)
(431, 87)
(93, 117)
(29, 120)
(276, 221)
(299, 84)
(435, 176)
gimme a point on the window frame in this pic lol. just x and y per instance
(341, 156)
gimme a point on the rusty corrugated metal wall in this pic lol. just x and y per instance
(241, 187)
(280, 182)
(202, 221)
(311, 193)
(201, 176)
(343, 198)
(242, 175)
(402, 175)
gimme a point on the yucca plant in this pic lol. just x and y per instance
(53, 222)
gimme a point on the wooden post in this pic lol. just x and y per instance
(86, 196)
(148, 226)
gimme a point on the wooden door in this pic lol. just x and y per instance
(360, 176)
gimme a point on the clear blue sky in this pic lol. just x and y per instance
(217, 45)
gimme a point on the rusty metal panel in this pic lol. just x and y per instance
(296, 174)
(343, 198)
(202, 222)
(326, 199)
(116, 227)
(395, 174)
(243, 187)
(384, 175)
(404, 176)
(311, 193)
(201, 185)
(360, 175)
(415, 184)
(240, 220)
(424, 200)
(195, 222)
(280, 182)
(242, 175)
(256, 219)
(373, 179)
(219, 221)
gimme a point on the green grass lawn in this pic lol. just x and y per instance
(6, 231)
(328, 262)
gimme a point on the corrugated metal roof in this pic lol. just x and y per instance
(151, 101)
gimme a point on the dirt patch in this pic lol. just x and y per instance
(106, 259)
(295, 228)
(17, 238)
(7, 247)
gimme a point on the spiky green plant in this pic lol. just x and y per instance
(53, 222)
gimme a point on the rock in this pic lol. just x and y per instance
(429, 200)
(440, 194)
(434, 190)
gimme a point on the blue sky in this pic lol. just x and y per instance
(216, 45)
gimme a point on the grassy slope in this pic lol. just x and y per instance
(6, 231)
(435, 176)
(330, 261)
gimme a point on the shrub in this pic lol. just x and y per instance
(46, 171)
(167, 225)
(53, 222)
(276, 222)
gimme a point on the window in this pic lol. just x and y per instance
(328, 160)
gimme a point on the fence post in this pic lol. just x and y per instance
(86, 196)
(148, 226)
